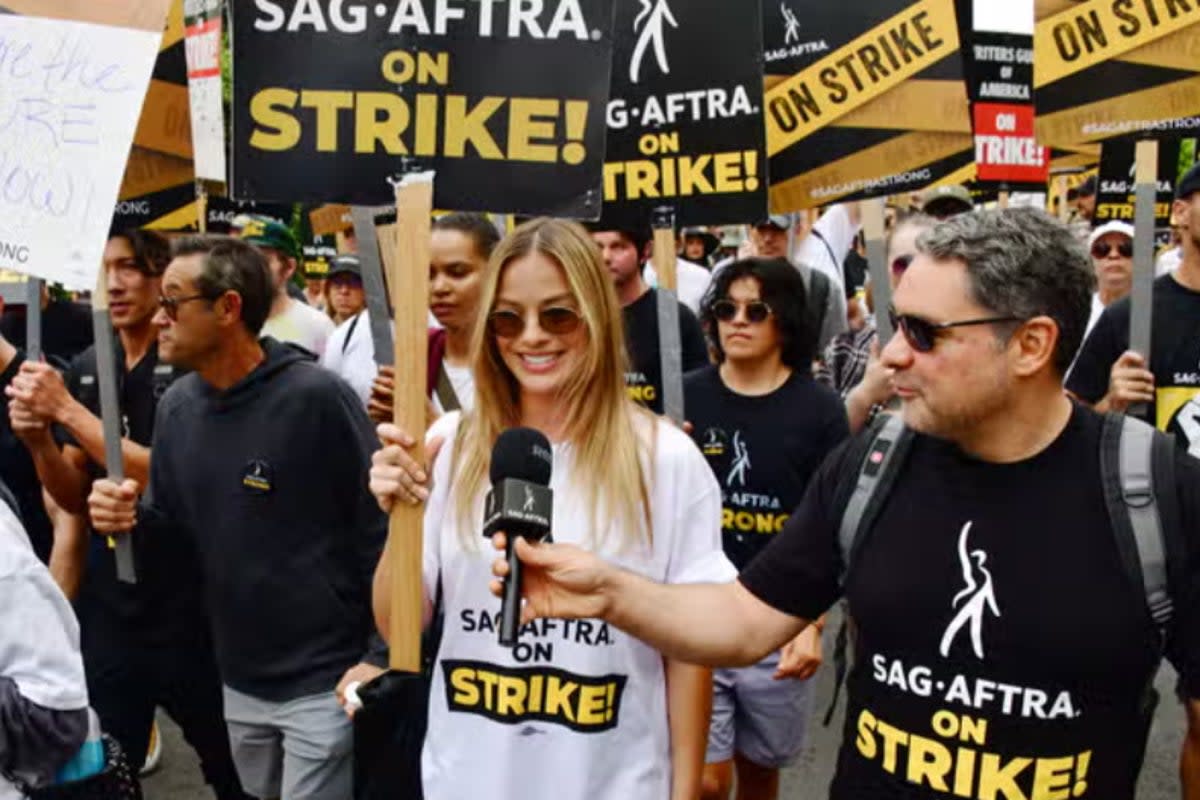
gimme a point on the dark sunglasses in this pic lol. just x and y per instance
(901, 263)
(171, 304)
(756, 311)
(1102, 249)
(557, 321)
(922, 335)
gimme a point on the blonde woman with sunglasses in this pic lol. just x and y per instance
(576, 711)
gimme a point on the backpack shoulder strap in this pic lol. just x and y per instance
(1130, 474)
(862, 489)
(876, 473)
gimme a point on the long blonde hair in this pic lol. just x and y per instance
(610, 436)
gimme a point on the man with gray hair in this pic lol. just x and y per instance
(260, 456)
(1001, 648)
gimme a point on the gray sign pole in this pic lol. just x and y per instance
(669, 342)
(110, 416)
(881, 284)
(33, 319)
(376, 289)
(1142, 294)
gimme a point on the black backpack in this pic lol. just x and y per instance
(1137, 469)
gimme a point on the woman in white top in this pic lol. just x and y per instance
(579, 711)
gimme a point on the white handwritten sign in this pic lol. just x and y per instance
(70, 95)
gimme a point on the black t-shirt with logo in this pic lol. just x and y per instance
(1001, 650)
(762, 450)
(168, 596)
(644, 378)
(1174, 359)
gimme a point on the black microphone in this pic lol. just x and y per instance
(519, 504)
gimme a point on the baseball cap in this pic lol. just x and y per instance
(1113, 226)
(947, 200)
(1087, 188)
(345, 264)
(781, 221)
(262, 232)
(1189, 184)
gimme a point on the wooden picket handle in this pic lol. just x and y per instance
(408, 283)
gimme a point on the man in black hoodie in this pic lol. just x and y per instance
(264, 457)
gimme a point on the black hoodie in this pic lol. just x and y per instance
(271, 477)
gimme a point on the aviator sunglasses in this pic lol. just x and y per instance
(556, 320)
(756, 311)
(922, 335)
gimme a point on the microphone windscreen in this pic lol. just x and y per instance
(522, 454)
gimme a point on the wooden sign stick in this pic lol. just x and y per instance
(1142, 293)
(110, 416)
(670, 346)
(408, 281)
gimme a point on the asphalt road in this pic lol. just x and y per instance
(179, 778)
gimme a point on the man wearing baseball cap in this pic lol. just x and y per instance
(350, 353)
(818, 261)
(289, 320)
(944, 202)
(1111, 248)
(1112, 377)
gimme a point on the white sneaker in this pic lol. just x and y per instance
(153, 752)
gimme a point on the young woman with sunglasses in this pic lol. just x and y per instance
(576, 711)
(764, 425)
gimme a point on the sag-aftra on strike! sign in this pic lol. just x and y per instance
(505, 99)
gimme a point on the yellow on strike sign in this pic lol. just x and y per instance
(870, 65)
(1090, 33)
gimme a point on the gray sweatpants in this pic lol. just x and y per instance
(301, 749)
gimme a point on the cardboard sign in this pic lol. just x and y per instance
(685, 120)
(1108, 68)
(504, 101)
(202, 38)
(158, 190)
(70, 92)
(875, 103)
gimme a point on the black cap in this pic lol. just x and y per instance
(1087, 188)
(523, 454)
(1189, 184)
(344, 264)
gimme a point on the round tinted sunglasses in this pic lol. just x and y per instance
(1102, 249)
(756, 311)
(922, 335)
(556, 320)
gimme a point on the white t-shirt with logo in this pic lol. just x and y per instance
(578, 709)
(300, 324)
